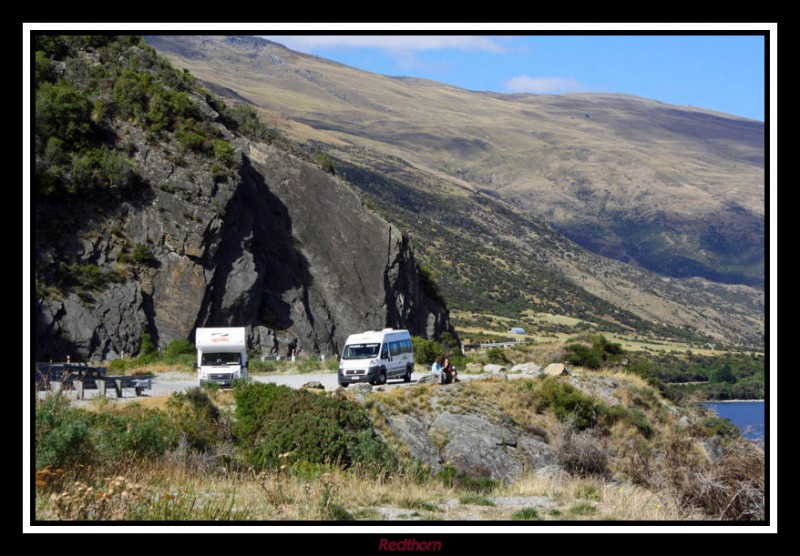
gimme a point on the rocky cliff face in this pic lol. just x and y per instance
(277, 245)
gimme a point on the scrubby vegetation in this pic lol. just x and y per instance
(81, 89)
(305, 454)
(426, 351)
(719, 377)
(80, 451)
(278, 425)
(598, 353)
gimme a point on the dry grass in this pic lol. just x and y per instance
(612, 501)
(331, 493)
(159, 368)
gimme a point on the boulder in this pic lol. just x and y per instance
(526, 368)
(361, 387)
(494, 369)
(556, 369)
(429, 378)
(474, 368)
(475, 445)
(478, 447)
(313, 385)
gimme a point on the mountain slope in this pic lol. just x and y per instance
(153, 215)
(676, 190)
(487, 254)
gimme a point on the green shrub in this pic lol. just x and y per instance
(595, 356)
(588, 492)
(451, 477)
(476, 484)
(632, 416)
(62, 434)
(326, 163)
(567, 403)
(119, 366)
(496, 355)
(723, 374)
(62, 111)
(44, 68)
(526, 514)
(429, 285)
(188, 135)
(143, 254)
(308, 364)
(147, 345)
(426, 351)
(259, 366)
(179, 347)
(223, 152)
(331, 363)
(197, 419)
(277, 426)
(583, 509)
(254, 403)
(246, 119)
(136, 432)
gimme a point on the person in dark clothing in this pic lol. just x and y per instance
(450, 373)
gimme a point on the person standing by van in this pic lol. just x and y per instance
(436, 369)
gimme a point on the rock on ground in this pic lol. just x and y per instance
(556, 369)
(490, 368)
(526, 368)
(473, 444)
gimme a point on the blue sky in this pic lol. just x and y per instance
(722, 73)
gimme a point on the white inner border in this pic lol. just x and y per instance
(521, 28)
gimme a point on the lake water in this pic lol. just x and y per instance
(748, 416)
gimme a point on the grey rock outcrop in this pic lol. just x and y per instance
(279, 246)
(472, 444)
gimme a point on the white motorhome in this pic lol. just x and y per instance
(376, 356)
(221, 354)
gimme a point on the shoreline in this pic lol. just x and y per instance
(733, 401)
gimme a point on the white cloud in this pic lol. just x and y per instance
(308, 43)
(543, 85)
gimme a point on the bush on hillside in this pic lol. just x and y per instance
(277, 426)
(497, 356)
(598, 354)
(426, 351)
(179, 347)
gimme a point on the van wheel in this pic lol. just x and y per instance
(382, 377)
(344, 384)
(407, 376)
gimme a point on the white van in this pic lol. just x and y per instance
(376, 356)
(221, 354)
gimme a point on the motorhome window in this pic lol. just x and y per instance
(221, 359)
(394, 348)
(360, 351)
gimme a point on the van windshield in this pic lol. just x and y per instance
(220, 359)
(360, 351)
